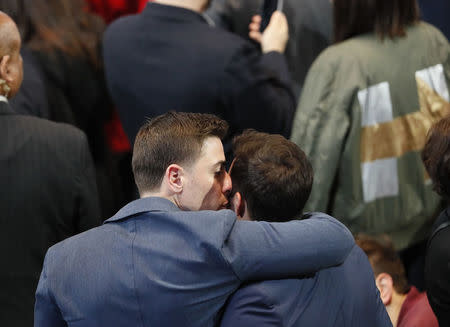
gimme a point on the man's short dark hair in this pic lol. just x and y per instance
(386, 18)
(384, 259)
(272, 174)
(436, 156)
(172, 138)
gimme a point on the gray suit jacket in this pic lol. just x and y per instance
(340, 296)
(154, 265)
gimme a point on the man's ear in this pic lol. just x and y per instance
(175, 177)
(385, 285)
(238, 205)
(4, 68)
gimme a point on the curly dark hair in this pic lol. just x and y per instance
(436, 156)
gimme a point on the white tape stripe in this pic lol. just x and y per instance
(376, 104)
(435, 78)
(379, 179)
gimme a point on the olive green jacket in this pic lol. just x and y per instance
(363, 116)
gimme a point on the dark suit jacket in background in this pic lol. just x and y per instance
(32, 97)
(437, 268)
(169, 58)
(77, 95)
(437, 12)
(155, 265)
(47, 194)
(340, 296)
(310, 28)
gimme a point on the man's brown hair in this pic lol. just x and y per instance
(386, 18)
(272, 174)
(436, 156)
(384, 259)
(172, 138)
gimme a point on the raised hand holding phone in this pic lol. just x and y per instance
(275, 36)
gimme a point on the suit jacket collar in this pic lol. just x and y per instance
(172, 12)
(143, 205)
(5, 109)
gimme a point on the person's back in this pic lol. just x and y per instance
(48, 194)
(139, 278)
(65, 82)
(437, 268)
(160, 261)
(345, 295)
(272, 178)
(48, 188)
(32, 96)
(435, 157)
(367, 106)
(169, 58)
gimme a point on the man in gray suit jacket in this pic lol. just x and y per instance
(161, 262)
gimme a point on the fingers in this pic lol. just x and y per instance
(257, 19)
(255, 24)
(254, 29)
(256, 36)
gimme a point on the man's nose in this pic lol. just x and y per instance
(226, 185)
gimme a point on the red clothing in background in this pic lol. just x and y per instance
(416, 311)
(112, 9)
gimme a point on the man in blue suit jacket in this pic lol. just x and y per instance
(273, 178)
(161, 262)
(170, 58)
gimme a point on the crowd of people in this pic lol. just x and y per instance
(173, 163)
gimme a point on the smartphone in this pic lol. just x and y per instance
(269, 7)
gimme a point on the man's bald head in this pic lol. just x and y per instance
(11, 72)
(9, 35)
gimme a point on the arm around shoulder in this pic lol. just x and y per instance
(261, 250)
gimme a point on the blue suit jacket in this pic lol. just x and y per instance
(343, 296)
(154, 265)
